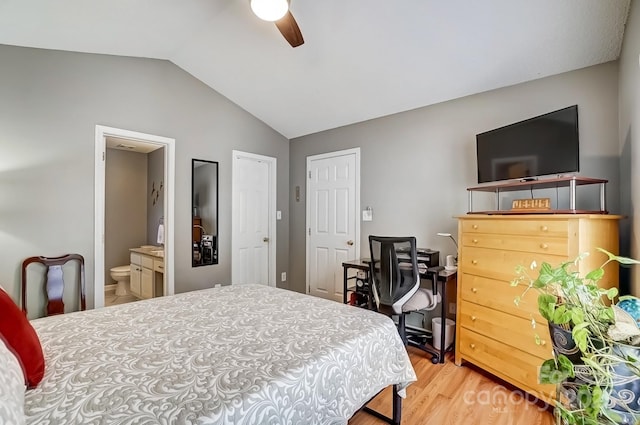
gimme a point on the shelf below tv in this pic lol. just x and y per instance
(525, 184)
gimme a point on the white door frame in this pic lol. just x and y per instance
(273, 185)
(169, 195)
(311, 158)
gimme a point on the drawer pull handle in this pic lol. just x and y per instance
(474, 290)
(475, 241)
(474, 262)
(473, 318)
(544, 246)
(472, 346)
(475, 227)
(544, 228)
(543, 342)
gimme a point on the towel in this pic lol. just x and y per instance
(161, 234)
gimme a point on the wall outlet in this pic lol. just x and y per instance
(283, 277)
(452, 308)
(217, 285)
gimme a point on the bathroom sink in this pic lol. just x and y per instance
(158, 252)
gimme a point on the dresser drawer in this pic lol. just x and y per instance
(501, 265)
(499, 295)
(517, 332)
(553, 228)
(537, 244)
(513, 365)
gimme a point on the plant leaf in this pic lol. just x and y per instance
(595, 274)
(580, 335)
(546, 306)
(621, 260)
(550, 373)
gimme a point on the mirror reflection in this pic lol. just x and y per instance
(204, 191)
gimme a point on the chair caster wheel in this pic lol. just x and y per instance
(434, 360)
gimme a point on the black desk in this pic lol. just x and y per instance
(436, 275)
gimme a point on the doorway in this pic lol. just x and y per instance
(333, 227)
(253, 223)
(168, 184)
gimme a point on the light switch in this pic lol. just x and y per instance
(367, 214)
(278, 215)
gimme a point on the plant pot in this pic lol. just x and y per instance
(625, 395)
(563, 343)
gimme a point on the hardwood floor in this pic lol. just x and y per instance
(446, 394)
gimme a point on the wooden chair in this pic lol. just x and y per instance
(54, 282)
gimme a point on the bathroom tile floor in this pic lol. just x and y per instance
(111, 299)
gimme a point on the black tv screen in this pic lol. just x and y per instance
(540, 146)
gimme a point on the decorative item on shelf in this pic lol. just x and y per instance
(532, 204)
(596, 343)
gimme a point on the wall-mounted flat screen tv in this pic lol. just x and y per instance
(540, 146)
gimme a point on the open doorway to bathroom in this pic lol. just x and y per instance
(134, 216)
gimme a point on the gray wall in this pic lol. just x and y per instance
(126, 200)
(629, 137)
(416, 166)
(50, 103)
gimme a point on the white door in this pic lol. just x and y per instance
(253, 219)
(333, 228)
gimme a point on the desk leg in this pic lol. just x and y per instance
(344, 285)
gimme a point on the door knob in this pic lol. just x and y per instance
(265, 239)
(350, 243)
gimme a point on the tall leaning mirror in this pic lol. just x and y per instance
(204, 206)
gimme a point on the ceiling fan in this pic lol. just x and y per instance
(277, 11)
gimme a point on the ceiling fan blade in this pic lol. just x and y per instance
(290, 30)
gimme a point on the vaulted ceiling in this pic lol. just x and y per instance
(361, 59)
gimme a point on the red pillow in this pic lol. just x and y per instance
(22, 339)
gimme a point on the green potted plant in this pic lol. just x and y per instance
(596, 342)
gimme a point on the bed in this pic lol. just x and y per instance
(246, 354)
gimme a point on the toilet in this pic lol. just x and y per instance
(121, 275)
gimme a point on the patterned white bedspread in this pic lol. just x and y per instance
(245, 354)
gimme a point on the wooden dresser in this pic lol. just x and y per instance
(492, 332)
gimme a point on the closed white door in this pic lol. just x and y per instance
(253, 230)
(333, 228)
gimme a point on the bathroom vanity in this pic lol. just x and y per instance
(147, 272)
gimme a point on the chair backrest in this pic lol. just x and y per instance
(394, 270)
(54, 281)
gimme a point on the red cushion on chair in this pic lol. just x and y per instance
(22, 339)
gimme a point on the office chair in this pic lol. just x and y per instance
(395, 282)
(54, 282)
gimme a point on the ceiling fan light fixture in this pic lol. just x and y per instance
(270, 10)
